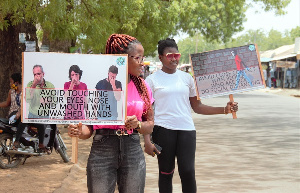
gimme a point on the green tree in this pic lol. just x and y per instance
(295, 33)
(195, 44)
(265, 41)
(275, 39)
(88, 23)
(250, 37)
(148, 20)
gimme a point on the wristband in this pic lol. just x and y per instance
(225, 111)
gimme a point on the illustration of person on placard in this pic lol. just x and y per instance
(113, 88)
(35, 94)
(240, 66)
(75, 89)
(38, 98)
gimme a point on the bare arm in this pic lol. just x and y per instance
(200, 108)
(80, 131)
(117, 93)
(148, 122)
(116, 90)
(67, 94)
(146, 125)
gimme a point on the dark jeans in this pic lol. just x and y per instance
(118, 160)
(40, 129)
(180, 144)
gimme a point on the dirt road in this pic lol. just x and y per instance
(233, 159)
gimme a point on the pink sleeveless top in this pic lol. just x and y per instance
(135, 105)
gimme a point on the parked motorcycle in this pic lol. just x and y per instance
(29, 143)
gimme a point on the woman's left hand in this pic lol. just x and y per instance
(231, 107)
(131, 122)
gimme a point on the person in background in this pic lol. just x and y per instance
(146, 71)
(13, 100)
(288, 79)
(187, 69)
(34, 98)
(265, 76)
(116, 155)
(174, 131)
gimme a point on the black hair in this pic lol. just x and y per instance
(17, 77)
(76, 69)
(113, 69)
(167, 43)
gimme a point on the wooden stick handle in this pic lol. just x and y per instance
(75, 146)
(74, 150)
(231, 100)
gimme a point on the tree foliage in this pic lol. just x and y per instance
(265, 41)
(90, 22)
(295, 33)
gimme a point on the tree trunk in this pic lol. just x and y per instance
(11, 55)
(56, 45)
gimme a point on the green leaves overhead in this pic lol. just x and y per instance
(147, 20)
(265, 41)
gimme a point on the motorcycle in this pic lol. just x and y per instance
(29, 143)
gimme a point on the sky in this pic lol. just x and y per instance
(259, 19)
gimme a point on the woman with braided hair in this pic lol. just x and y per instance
(116, 155)
(175, 94)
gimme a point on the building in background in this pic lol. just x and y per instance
(282, 66)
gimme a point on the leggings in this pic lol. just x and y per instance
(180, 144)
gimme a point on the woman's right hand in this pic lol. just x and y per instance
(150, 149)
(75, 130)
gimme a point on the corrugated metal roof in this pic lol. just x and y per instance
(280, 53)
(265, 59)
(267, 54)
(284, 57)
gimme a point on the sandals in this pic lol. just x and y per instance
(43, 149)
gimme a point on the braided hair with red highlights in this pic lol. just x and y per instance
(120, 44)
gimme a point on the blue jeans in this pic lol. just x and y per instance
(114, 160)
